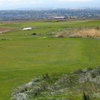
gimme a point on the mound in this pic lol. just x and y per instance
(79, 85)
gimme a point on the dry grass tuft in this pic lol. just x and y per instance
(62, 33)
(81, 32)
(88, 32)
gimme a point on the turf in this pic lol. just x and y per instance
(24, 56)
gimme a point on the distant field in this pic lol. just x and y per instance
(24, 56)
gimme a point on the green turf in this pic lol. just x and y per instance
(24, 56)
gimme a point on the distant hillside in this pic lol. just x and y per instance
(6, 15)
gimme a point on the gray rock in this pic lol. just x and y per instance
(20, 96)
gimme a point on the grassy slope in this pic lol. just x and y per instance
(23, 56)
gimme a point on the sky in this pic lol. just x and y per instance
(33, 4)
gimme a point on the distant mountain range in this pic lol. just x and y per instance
(8, 15)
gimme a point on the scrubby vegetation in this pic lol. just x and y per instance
(87, 32)
(83, 84)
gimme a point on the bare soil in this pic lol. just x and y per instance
(6, 29)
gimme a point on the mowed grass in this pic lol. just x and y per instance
(24, 56)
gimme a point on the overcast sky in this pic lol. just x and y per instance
(18, 4)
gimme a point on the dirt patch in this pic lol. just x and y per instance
(6, 29)
(83, 83)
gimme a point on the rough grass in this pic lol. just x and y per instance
(62, 87)
(87, 32)
(24, 56)
(79, 32)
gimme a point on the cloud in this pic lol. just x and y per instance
(14, 4)
(38, 1)
(75, 0)
(20, 1)
(2, 1)
(26, 1)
